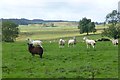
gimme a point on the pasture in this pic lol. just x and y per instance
(67, 62)
(48, 33)
(45, 33)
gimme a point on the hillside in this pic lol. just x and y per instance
(24, 21)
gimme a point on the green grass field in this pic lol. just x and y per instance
(67, 62)
(47, 33)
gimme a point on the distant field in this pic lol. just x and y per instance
(58, 24)
(45, 33)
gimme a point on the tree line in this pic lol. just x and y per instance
(24, 21)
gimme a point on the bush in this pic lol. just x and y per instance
(112, 31)
(10, 31)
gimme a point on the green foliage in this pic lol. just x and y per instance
(112, 31)
(113, 17)
(10, 31)
(86, 26)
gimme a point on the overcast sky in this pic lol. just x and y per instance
(72, 10)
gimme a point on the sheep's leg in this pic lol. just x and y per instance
(63, 46)
(33, 55)
(93, 46)
(40, 55)
(87, 46)
(60, 46)
(68, 45)
(115, 44)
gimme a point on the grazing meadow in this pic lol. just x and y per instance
(67, 62)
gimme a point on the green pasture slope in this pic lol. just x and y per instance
(47, 33)
(67, 62)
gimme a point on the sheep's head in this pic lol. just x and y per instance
(84, 38)
(30, 45)
(29, 41)
(60, 40)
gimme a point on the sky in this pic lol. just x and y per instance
(71, 10)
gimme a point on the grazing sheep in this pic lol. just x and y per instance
(61, 43)
(72, 42)
(35, 50)
(103, 39)
(35, 42)
(89, 42)
(115, 41)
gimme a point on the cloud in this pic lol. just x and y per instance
(57, 9)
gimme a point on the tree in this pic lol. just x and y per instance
(10, 31)
(113, 29)
(86, 26)
(113, 17)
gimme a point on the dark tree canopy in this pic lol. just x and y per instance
(113, 17)
(113, 30)
(86, 26)
(9, 31)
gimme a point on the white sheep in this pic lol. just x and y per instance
(50, 41)
(61, 43)
(115, 41)
(89, 42)
(35, 42)
(72, 42)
